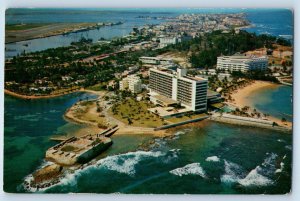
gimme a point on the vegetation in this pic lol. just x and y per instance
(205, 49)
(135, 113)
(87, 111)
(255, 75)
(86, 64)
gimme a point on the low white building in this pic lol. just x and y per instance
(165, 41)
(156, 60)
(242, 63)
(132, 83)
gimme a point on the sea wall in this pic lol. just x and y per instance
(93, 152)
(180, 123)
(246, 121)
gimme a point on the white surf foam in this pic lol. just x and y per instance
(213, 159)
(280, 140)
(233, 172)
(190, 169)
(122, 163)
(255, 179)
(280, 169)
(125, 163)
(259, 176)
(289, 147)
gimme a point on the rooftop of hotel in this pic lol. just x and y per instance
(243, 57)
(174, 72)
(195, 78)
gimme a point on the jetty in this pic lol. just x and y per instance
(108, 132)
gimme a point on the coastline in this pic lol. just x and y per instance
(241, 95)
(28, 97)
(53, 29)
(240, 99)
(69, 115)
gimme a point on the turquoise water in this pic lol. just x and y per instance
(28, 124)
(276, 102)
(214, 158)
(246, 160)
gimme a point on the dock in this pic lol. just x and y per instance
(108, 132)
(59, 138)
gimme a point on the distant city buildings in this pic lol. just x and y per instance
(132, 83)
(242, 63)
(165, 41)
(169, 87)
(172, 40)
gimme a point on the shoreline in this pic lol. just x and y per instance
(29, 97)
(64, 31)
(241, 96)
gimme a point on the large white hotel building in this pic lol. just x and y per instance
(166, 86)
(242, 63)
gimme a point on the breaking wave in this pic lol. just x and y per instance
(289, 147)
(122, 163)
(280, 140)
(280, 169)
(255, 179)
(213, 159)
(190, 169)
(125, 163)
(233, 172)
(259, 176)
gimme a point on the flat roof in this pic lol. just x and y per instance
(211, 93)
(195, 78)
(243, 57)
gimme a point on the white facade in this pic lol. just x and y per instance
(165, 41)
(242, 63)
(132, 82)
(191, 92)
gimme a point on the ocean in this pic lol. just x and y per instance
(278, 22)
(213, 158)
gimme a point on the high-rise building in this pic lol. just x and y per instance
(190, 92)
(132, 83)
(242, 63)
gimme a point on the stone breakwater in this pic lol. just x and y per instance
(246, 121)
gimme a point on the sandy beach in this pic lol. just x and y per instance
(240, 98)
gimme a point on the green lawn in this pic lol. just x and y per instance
(135, 113)
(98, 87)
